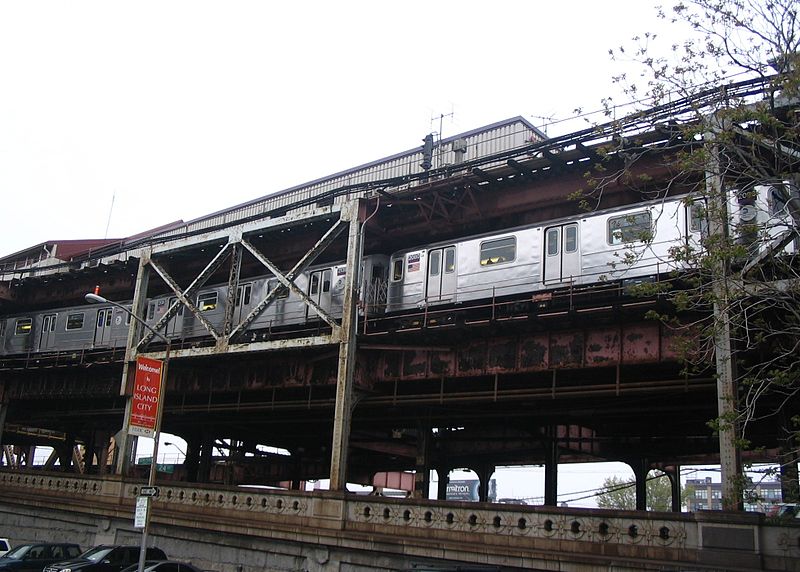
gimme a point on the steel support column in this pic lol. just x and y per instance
(551, 468)
(790, 484)
(347, 349)
(422, 475)
(485, 473)
(3, 412)
(674, 476)
(444, 479)
(640, 469)
(125, 442)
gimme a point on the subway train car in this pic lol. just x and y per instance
(95, 326)
(64, 329)
(604, 246)
(323, 284)
(630, 243)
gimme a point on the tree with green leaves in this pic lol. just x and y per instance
(618, 493)
(719, 114)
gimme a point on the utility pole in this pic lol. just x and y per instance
(729, 455)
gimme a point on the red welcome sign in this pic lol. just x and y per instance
(146, 398)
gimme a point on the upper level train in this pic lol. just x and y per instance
(626, 243)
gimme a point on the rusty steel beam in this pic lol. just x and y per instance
(287, 280)
(343, 409)
(233, 287)
(183, 296)
(638, 343)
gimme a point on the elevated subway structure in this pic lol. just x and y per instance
(578, 376)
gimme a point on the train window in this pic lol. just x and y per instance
(243, 294)
(630, 228)
(2, 328)
(571, 238)
(151, 310)
(23, 326)
(552, 242)
(777, 200)
(207, 301)
(314, 289)
(326, 281)
(434, 263)
(74, 321)
(498, 251)
(450, 260)
(697, 217)
(397, 270)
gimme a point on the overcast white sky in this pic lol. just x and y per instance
(176, 109)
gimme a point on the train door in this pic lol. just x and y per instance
(47, 337)
(441, 280)
(242, 305)
(174, 326)
(562, 257)
(102, 327)
(319, 290)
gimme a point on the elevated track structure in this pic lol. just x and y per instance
(574, 374)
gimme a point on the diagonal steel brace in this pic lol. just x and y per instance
(184, 296)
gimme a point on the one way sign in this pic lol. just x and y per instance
(148, 492)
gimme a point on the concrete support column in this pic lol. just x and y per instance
(343, 412)
(551, 468)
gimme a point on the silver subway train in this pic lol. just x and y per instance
(616, 245)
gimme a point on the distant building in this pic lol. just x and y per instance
(703, 494)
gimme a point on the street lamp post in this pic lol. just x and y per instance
(96, 299)
(181, 451)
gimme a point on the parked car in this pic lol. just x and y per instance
(105, 558)
(785, 510)
(5, 546)
(164, 566)
(35, 556)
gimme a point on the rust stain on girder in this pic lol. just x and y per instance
(643, 342)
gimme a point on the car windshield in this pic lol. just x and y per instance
(17, 552)
(96, 554)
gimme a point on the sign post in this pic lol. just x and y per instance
(145, 417)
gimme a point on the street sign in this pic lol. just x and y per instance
(140, 516)
(146, 397)
(148, 492)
